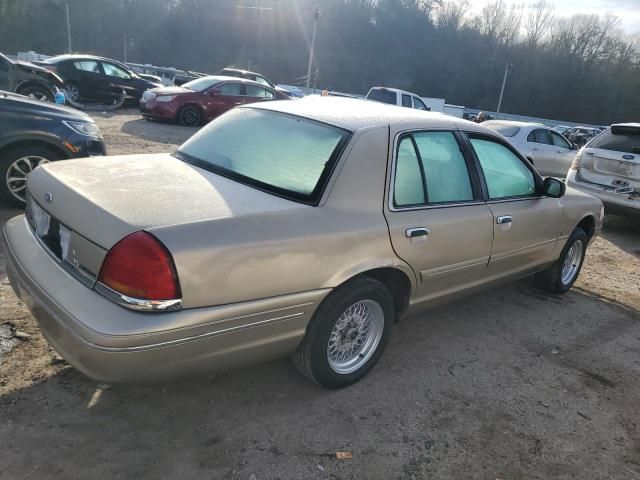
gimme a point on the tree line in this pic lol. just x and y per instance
(582, 68)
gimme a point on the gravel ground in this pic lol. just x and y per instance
(509, 384)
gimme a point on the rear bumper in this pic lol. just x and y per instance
(111, 344)
(613, 202)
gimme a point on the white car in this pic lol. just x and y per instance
(549, 152)
(393, 96)
(608, 167)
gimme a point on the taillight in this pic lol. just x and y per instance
(576, 161)
(139, 266)
(51, 68)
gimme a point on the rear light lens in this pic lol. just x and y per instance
(575, 165)
(139, 266)
(51, 68)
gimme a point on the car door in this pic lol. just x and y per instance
(6, 70)
(223, 97)
(256, 93)
(526, 225)
(564, 154)
(543, 151)
(118, 79)
(89, 78)
(437, 220)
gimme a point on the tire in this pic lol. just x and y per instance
(560, 277)
(72, 91)
(37, 92)
(353, 299)
(189, 116)
(25, 159)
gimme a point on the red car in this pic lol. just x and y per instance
(201, 100)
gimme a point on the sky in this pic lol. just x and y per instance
(627, 10)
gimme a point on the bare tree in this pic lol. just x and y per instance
(538, 22)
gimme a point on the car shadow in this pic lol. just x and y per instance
(624, 232)
(503, 383)
(162, 132)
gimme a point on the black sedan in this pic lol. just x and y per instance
(97, 79)
(32, 133)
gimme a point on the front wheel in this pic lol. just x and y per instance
(347, 334)
(37, 92)
(561, 276)
(189, 116)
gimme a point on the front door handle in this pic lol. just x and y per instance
(417, 232)
(504, 219)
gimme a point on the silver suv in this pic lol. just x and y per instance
(608, 167)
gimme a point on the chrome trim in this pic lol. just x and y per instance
(504, 219)
(417, 232)
(137, 303)
(195, 337)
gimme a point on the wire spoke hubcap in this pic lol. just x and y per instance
(355, 336)
(18, 173)
(572, 262)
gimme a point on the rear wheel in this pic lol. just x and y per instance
(347, 334)
(37, 92)
(561, 276)
(16, 165)
(189, 116)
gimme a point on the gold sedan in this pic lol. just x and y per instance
(305, 228)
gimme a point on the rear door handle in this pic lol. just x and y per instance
(504, 219)
(417, 232)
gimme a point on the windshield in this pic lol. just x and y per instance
(201, 84)
(382, 95)
(283, 154)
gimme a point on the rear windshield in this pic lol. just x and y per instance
(381, 95)
(618, 140)
(506, 130)
(282, 154)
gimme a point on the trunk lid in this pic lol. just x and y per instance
(106, 198)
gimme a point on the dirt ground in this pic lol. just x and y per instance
(509, 384)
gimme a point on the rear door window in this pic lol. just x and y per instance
(408, 184)
(406, 101)
(618, 140)
(445, 168)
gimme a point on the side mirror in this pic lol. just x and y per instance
(554, 188)
(574, 146)
(214, 91)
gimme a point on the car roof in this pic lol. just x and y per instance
(223, 78)
(394, 90)
(355, 114)
(512, 123)
(245, 72)
(67, 57)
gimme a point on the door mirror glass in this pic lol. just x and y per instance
(554, 188)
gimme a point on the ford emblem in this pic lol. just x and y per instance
(48, 197)
(628, 157)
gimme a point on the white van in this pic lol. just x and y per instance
(393, 96)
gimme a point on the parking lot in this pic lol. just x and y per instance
(513, 383)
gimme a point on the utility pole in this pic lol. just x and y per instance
(507, 69)
(313, 45)
(68, 27)
(125, 48)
